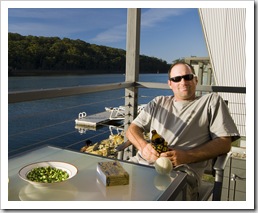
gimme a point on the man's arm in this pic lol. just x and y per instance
(135, 135)
(203, 152)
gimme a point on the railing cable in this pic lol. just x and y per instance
(55, 124)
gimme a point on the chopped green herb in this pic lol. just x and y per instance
(47, 175)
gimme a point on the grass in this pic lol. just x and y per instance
(208, 178)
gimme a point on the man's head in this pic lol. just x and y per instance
(182, 81)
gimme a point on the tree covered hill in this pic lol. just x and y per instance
(32, 55)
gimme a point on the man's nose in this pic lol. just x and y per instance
(183, 80)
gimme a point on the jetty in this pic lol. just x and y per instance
(92, 121)
(110, 114)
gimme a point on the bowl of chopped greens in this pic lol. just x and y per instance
(47, 172)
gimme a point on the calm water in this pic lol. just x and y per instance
(52, 121)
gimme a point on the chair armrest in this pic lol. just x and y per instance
(221, 161)
(219, 167)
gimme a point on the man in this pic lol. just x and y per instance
(196, 128)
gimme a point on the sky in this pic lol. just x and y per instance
(166, 33)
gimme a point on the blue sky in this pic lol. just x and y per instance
(166, 33)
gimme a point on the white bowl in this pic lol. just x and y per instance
(69, 168)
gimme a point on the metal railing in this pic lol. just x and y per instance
(14, 97)
(31, 96)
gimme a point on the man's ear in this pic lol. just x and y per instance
(169, 84)
(196, 79)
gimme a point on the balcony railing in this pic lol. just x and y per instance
(14, 97)
(64, 135)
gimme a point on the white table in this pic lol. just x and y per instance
(145, 184)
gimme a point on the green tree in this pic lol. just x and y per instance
(59, 56)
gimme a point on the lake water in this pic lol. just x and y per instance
(52, 121)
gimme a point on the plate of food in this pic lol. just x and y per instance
(47, 173)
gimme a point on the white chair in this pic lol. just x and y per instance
(212, 190)
(208, 190)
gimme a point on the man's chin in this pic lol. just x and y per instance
(187, 97)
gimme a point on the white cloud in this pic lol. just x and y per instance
(108, 24)
(153, 16)
(115, 34)
(150, 18)
(66, 22)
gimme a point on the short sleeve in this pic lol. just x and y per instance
(221, 122)
(143, 120)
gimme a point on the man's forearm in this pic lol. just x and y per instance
(135, 135)
(210, 150)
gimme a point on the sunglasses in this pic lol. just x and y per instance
(187, 77)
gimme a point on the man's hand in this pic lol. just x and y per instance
(177, 157)
(149, 153)
(206, 151)
(135, 135)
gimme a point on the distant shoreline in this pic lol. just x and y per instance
(56, 72)
(23, 73)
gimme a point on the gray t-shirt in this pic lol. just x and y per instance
(187, 124)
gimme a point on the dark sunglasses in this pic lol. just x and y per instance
(187, 77)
